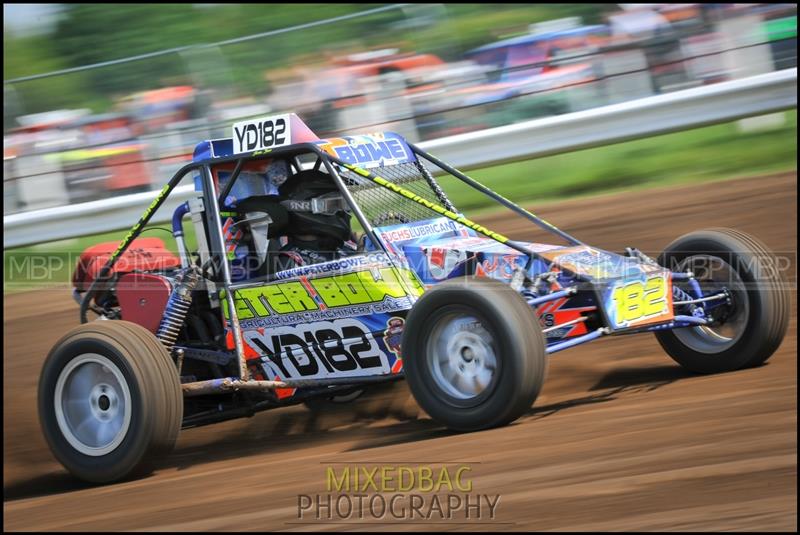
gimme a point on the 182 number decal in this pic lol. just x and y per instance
(639, 300)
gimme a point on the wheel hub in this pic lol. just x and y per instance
(92, 404)
(462, 356)
(729, 318)
(104, 402)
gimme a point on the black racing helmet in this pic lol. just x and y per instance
(316, 208)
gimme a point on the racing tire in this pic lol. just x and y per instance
(473, 354)
(110, 401)
(756, 318)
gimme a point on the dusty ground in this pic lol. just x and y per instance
(620, 439)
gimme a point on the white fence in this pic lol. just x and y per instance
(605, 125)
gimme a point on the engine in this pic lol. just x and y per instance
(137, 279)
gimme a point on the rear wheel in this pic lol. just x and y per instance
(474, 354)
(749, 326)
(110, 401)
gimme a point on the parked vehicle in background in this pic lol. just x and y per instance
(107, 159)
(658, 36)
(323, 93)
(386, 60)
(434, 94)
(153, 110)
(535, 67)
(781, 29)
(32, 176)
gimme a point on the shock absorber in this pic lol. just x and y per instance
(178, 306)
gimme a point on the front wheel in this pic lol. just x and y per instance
(748, 327)
(110, 402)
(474, 354)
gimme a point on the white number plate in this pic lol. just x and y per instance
(260, 134)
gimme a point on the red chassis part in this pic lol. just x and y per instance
(144, 254)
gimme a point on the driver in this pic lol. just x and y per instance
(319, 223)
(257, 217)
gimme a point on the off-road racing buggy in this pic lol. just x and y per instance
(280, 302)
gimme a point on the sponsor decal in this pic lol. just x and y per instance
(499, 266)
(369, 150)
(393, 338)
(442, 261)
(410, 232)
(588, 262)
(138, 224)
(262, 134)
(370, 291)
(555, 313)
(318, 350)
(342, 264)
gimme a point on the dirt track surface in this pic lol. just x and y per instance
(620, 439)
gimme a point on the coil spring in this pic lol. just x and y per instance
(680, 295)
(177, 307)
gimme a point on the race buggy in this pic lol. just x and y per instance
(324, 266)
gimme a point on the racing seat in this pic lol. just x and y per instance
(263, 220)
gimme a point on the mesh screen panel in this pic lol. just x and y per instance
(382, 206)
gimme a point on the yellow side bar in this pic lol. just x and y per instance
(424, 202)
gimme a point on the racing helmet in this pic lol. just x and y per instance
(316, 208)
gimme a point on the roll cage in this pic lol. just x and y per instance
(348, 179)
(335, 167)
(212, 202)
